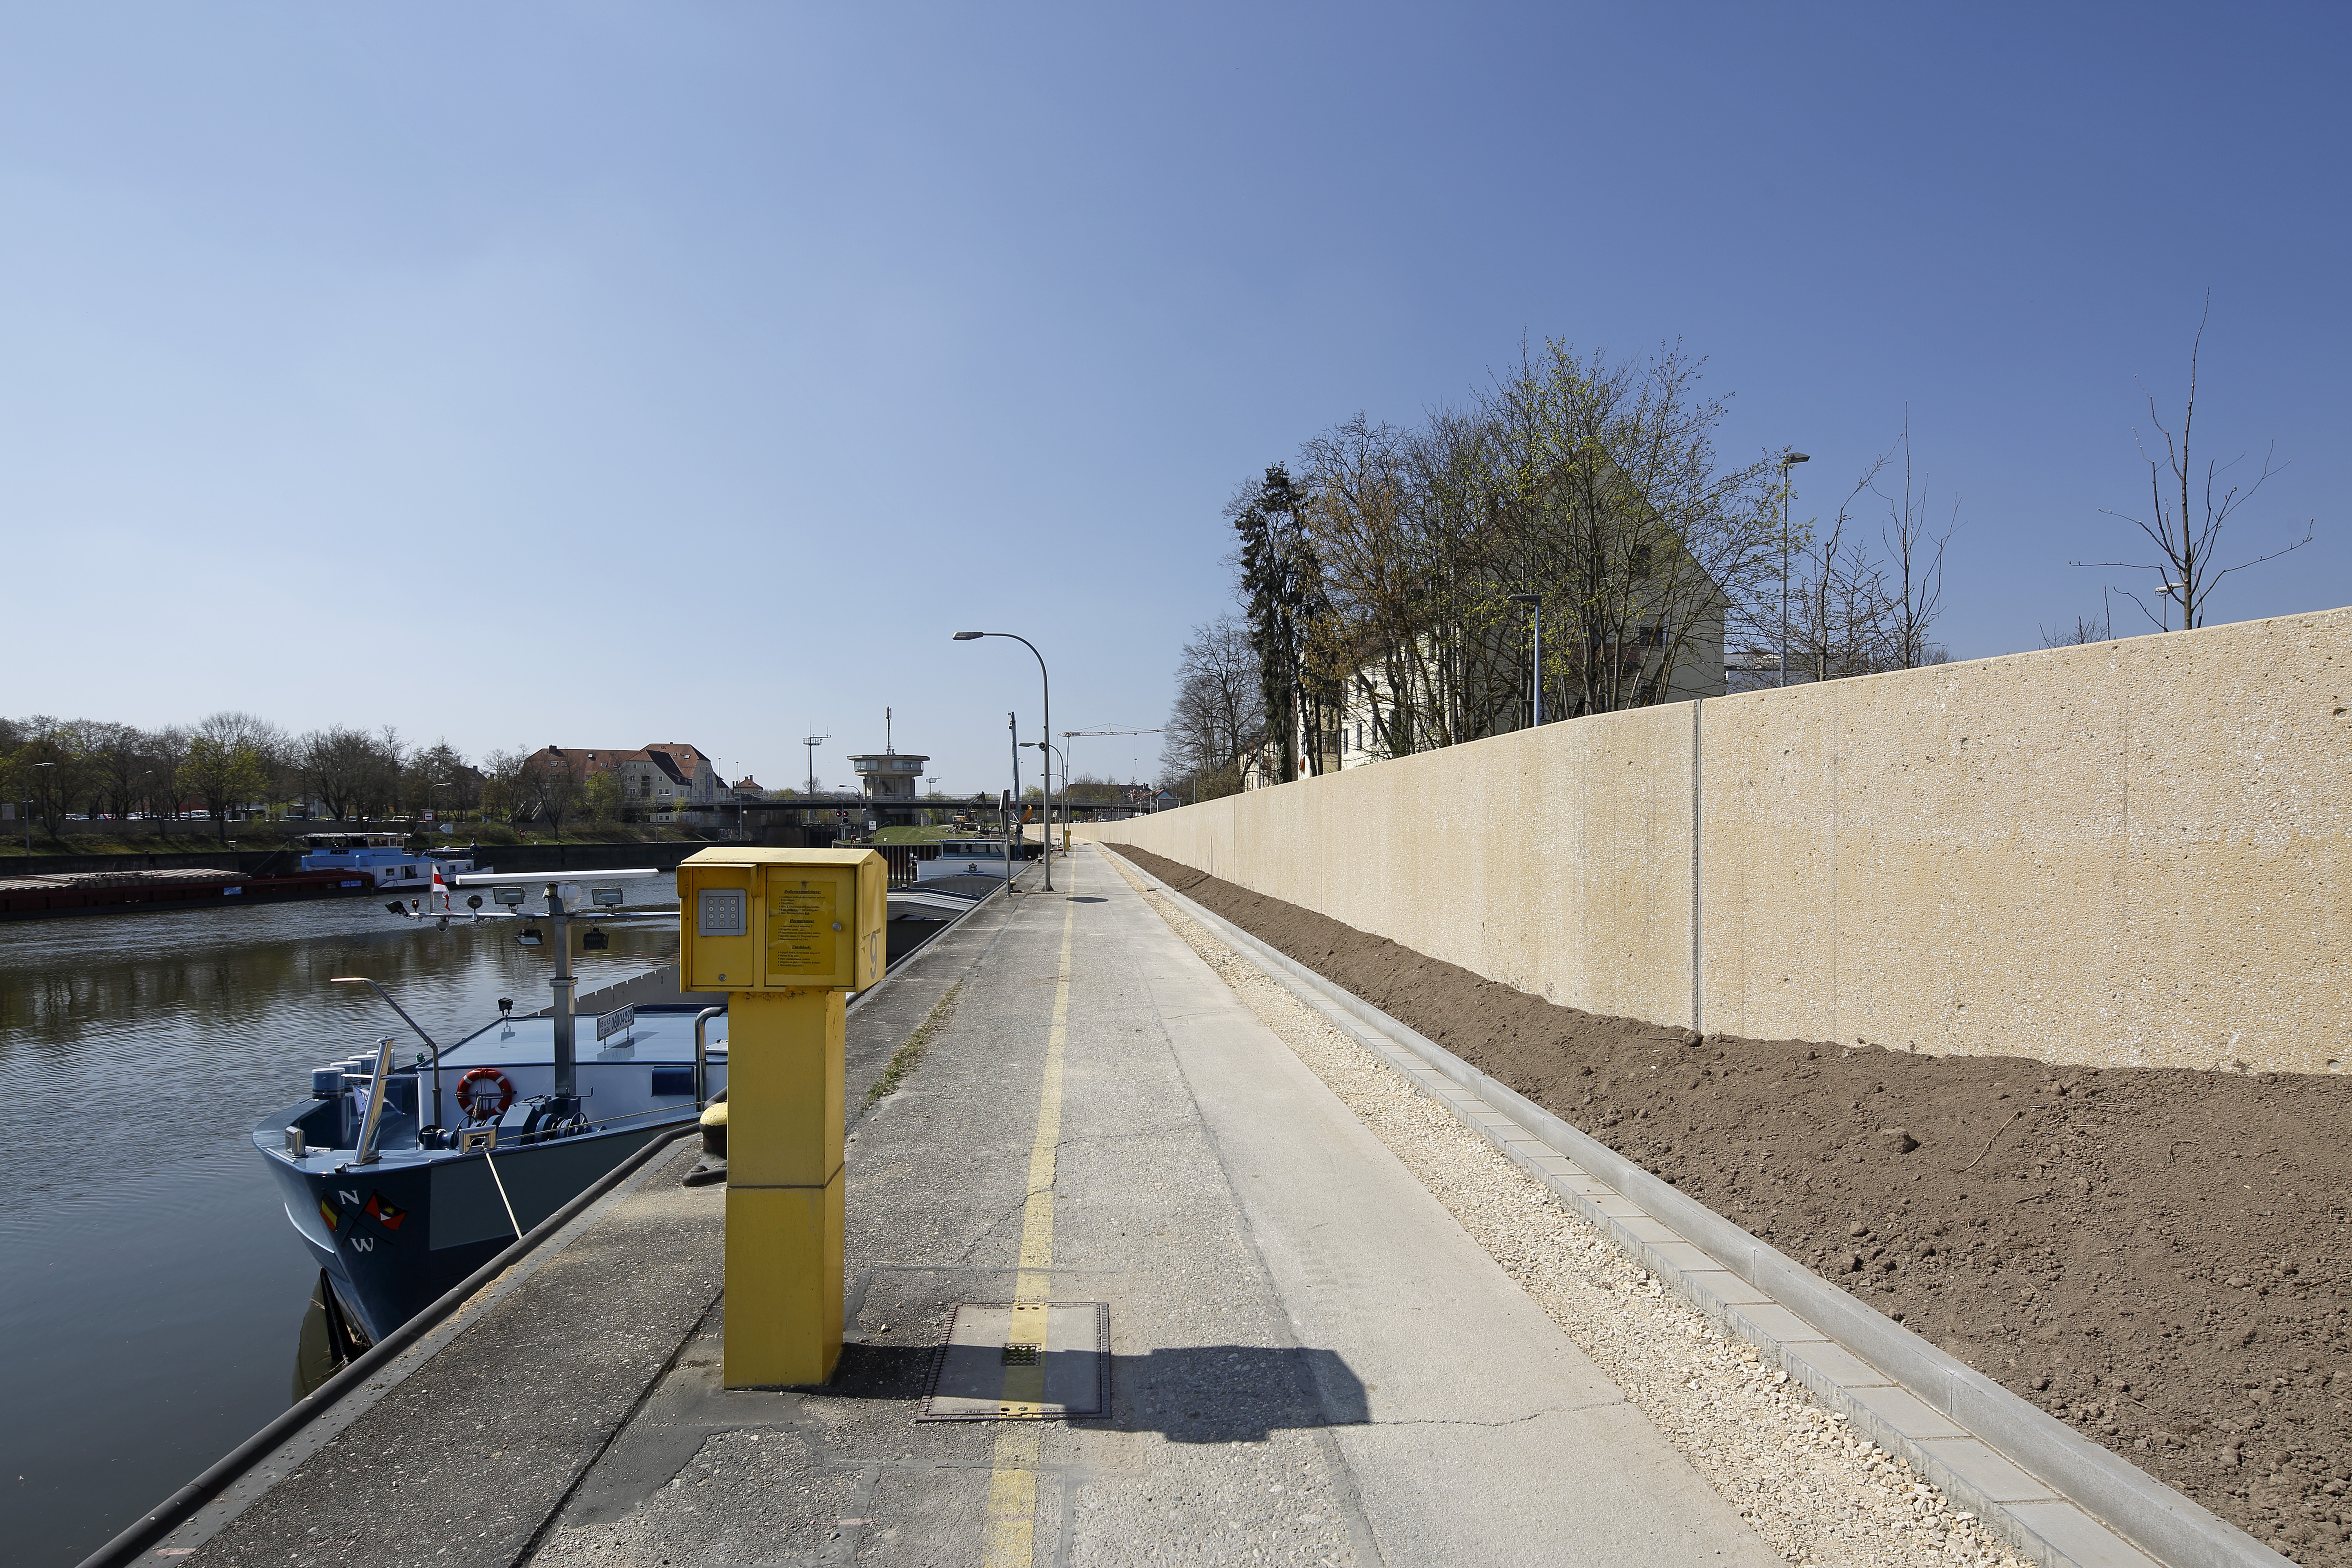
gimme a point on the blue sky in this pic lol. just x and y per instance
(599, 375)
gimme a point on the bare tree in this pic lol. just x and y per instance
(562, 793)
(339, 766)
(511, 782)
(2085, 630)
(1857, 613)
(228, 762)
(167, 750)
(1915, 554)
(1219, 714)
(119, 763)
(2184, 524)
(1841, 611)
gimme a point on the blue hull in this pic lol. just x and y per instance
(396, 1236)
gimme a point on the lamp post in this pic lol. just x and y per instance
(1052, 752)
(28, 812)
(1045, 728)
(1787, 462)
(1536, 602)
(813, 743)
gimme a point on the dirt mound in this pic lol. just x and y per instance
(2158, 1256)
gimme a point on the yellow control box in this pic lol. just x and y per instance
(791, 930)
(782, 920)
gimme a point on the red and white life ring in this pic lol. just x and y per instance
(475, 1089)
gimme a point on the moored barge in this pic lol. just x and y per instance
(127, 892)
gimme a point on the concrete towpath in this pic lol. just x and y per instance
(1309, 1360)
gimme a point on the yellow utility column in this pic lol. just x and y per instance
(791, 933)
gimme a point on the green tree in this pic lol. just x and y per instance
(53, 768)
(225, 774)
(602, 796)
(1282, 600)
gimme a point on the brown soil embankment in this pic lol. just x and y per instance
(2158, 1256)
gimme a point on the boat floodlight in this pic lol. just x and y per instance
(507, 895)
(531, 937)
(506, 1005)
(596, 941)
(607, 896)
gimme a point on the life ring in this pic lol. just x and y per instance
(473, 1100)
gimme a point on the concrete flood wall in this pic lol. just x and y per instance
(2130, 853)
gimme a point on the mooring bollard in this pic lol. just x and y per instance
(789, 933)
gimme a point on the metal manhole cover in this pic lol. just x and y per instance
(1025, 1361)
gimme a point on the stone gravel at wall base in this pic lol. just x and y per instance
(2153, 1255)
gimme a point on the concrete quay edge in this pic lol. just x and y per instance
(2055, 1496)
(200, 1511)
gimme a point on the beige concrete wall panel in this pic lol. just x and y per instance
(1633, 808)
(2133, 852)
(1767, 832)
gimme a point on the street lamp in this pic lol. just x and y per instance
(28, 812)
(813, 743)
(1053, 750)
(1787, 462)
(1046, 727)
(1536, 601)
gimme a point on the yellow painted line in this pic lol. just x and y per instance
(1012, 1499)
(1013, 1479)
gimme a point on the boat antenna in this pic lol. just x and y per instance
(363, 980)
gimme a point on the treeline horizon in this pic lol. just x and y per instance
(1388, 578)
(232, 760)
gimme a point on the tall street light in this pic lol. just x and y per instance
(1045, 729)
(1787, 462)
(28, 810)
(813, 743)
(1536, 600)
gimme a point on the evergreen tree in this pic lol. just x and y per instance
(1282, 590)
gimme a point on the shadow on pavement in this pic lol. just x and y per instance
(1191, 1393)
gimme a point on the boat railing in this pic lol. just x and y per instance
(702, 1055)
(366, 1155)
(530, 1140)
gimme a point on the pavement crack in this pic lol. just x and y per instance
(1489, 1426)
(993, 1226)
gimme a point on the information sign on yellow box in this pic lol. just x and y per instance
(778, 919)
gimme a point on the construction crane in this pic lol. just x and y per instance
(1068, 735)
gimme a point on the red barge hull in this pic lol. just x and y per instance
(131, 892)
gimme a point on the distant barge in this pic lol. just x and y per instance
(128, 892)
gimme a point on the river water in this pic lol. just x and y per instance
(152, 1291)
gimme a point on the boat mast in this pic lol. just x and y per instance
(567, 1071)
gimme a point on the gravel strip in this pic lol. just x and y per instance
(1810, 1488)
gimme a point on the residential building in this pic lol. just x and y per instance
(656, 781)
